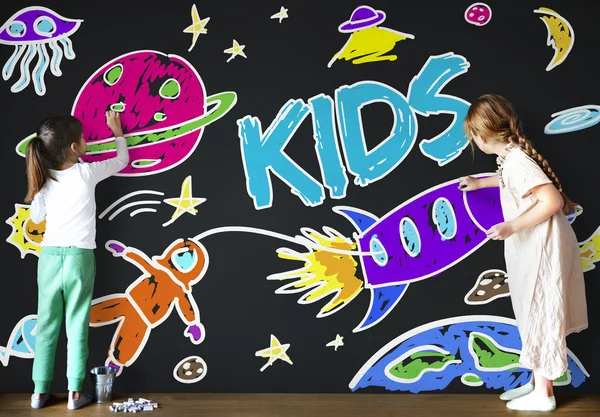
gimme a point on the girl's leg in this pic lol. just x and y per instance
(79, 275)
(50, 313)
(543, 385)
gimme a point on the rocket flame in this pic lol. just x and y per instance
(324, 272)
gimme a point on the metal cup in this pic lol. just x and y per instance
(103, 378)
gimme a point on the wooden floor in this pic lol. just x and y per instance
(322, 405)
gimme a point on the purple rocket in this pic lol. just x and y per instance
(420, 239)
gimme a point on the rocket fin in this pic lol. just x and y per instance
(383, 301)
(360, 219)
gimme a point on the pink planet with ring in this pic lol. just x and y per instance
(163, 109)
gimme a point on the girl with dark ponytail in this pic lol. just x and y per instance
(61, 190)
(541, 249)
(49, 148)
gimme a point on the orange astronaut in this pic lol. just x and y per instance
(166, 283)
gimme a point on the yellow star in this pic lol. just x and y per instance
(274, 352)
(339, 341)
(185, 202)
(282, 14)
(197, 27)
(235, 50)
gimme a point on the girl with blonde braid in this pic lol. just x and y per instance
(541, 250)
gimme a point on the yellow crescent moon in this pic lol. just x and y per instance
(560, 35)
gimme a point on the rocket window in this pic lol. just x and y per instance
(444, 218)
(409, 236)
(380, 256)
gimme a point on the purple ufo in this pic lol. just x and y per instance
(37, 31)
(362, 17)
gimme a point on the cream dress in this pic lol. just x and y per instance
(544, 270)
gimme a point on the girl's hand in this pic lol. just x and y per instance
(501, 231)
(114, 122)
(468, 184)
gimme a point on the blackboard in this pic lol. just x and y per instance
(243, 219)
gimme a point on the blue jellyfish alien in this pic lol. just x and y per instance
(31, 30)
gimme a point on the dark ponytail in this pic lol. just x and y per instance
(37, 169)
(48, 150)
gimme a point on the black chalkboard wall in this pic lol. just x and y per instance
(265, 157)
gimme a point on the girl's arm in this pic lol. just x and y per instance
(37, 211)
(488, 182)
(527, 178)
(473, 183)
(550, 202)
(100, 171)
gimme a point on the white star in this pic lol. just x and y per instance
(235, 50)
(339, 341)
(282, 14)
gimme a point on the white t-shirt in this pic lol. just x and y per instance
(69, 205)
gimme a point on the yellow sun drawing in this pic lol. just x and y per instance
(26, 235)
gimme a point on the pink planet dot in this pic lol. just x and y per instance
(478, 14)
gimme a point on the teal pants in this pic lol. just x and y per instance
(65, 285)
